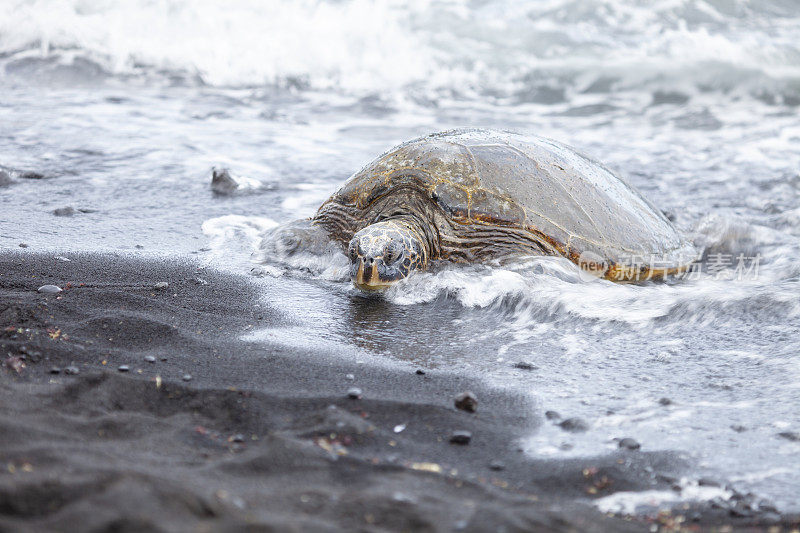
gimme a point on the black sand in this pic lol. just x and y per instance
(224, 434)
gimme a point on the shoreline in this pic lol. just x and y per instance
(221, 433)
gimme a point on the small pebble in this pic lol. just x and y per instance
(23, 245)
(460, 437)
(420, 372)
(354, 393)
(790, 435)
(187, 377)
(665, 401)
(64, 211)
(574, 425)
(71, 370)
(161, 285)
(466, 401)
(237, 438)
(738, 428)
(707, 482)
(350, 377)
(629, 444)
(552, 415)
(55, 370)
(163, 358)
(123, 368)
(497, 466)
(49, 289)
(31, 175)
(149, 359)
(741, 510)
(200, 281)
(524, 365)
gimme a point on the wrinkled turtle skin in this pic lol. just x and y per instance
(475, 195)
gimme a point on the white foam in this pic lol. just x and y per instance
(629, 502)
(355, 43)
(235, 235)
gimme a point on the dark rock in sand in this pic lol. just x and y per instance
(552, 415)
(741, 510)
(49, 289)
(574, 425)
(222, 182)
(354, 393)
(123, 368)
(665, 401)
(707, 482)
(420, 372)
(466, 401)
(71, 370)
(497, 466)
(738, 428)
(161, 285)
(23, 245)
(64, 211)
(55, 370)
(790, 435)
(524, 365)
(30, 175)
(460, 437)
(629, 444)
(150, 359)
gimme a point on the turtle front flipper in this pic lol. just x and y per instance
(299, 238)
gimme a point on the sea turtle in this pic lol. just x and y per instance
(475, 195)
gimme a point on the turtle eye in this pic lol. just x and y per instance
(392, 252)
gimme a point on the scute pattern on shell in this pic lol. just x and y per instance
(525, 182)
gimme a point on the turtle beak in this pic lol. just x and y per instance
(365, 275)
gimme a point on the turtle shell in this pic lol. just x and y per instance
(579, 208)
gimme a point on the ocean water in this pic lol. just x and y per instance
(120, 109)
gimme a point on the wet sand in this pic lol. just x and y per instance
(218, 433)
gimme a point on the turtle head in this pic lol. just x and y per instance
(384, 253)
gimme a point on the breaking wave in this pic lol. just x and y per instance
(544, 52)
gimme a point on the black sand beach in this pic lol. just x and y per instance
(221, 434)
